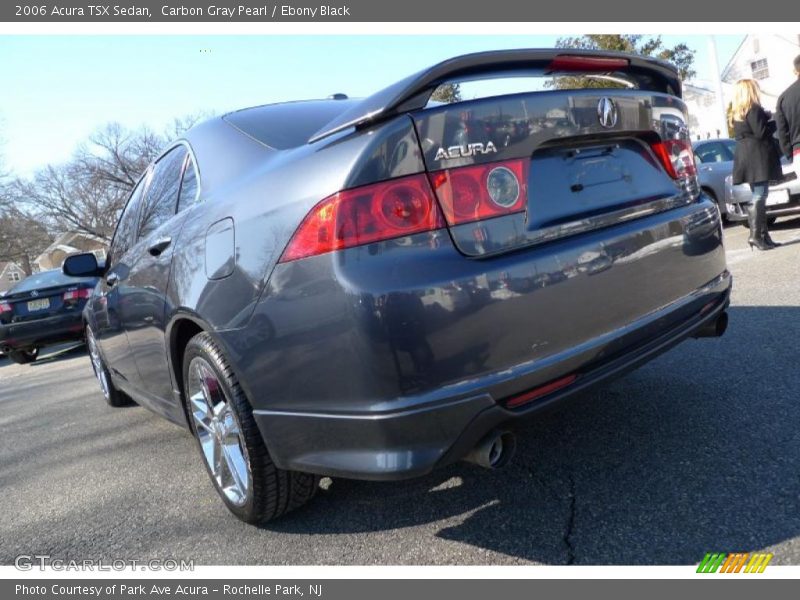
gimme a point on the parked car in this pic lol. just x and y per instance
(714, 167)
(41, 310)
(374, 211)
(783, 199)
(714, 158)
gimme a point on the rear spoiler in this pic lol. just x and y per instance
(413, 93)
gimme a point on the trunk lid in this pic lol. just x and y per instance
(583, 159)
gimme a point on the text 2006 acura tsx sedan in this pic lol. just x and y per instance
(374, 288)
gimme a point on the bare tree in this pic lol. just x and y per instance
(88, 193)
(22, 238)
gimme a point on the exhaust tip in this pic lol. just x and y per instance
(716, 328)
(494, 451)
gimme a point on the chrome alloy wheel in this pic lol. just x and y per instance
(219, 432)
(97, 363)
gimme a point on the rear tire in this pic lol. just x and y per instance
(111, 394)
(230, 443)
(23, 357)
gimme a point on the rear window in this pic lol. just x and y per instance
(289, 125)
(46, 279)
(489, 87)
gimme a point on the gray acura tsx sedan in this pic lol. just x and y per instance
(375, 288)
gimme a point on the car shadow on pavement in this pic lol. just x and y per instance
(693, 453)
(59, 354)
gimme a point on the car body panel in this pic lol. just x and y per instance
(400, 346)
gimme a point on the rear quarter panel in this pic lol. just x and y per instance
(265, 194)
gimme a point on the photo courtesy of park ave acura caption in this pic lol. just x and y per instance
(346, 300)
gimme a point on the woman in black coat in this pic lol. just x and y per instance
(756, 160)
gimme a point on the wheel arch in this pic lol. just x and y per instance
(710, 191)
(182, 328)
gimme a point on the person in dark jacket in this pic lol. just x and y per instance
(756, 160)
(787, 117)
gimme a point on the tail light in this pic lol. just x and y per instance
(677, 157)
(586, 64)
(480, 192)
(365, 215)
(5, 307)
(77, 294)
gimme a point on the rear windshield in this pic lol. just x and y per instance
(488, 87)
(46, 279)
(289, 125)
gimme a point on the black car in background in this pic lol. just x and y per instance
(42, 310)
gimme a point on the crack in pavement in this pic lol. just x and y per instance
(569, 528)
(570, 523)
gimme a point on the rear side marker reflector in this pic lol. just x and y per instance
(541, 391)
(478, 192)
(373, 213)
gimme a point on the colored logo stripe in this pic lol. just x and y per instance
(734, 562)
(758, 563)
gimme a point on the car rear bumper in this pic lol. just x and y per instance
(42, 332)
(411, 442)
(783, 200)
(376, 362)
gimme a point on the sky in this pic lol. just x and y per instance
(57, 90)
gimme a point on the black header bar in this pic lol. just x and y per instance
(445, 11)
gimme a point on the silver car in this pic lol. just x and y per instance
(714, 158)
(783, 199)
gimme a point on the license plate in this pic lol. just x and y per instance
(38, 304)
(778, 197)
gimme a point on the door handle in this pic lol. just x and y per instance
(112, 279)
(161, 245)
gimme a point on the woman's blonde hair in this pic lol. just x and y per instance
(746, 95)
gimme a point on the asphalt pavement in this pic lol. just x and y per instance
(696, 452)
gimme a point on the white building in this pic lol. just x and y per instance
(68, 243)
(702, 106)
(769, 60)
(10, 274)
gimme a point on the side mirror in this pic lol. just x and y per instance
(82, 265)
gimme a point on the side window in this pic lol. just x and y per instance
(162, 193)
(124, 236)
(714, 152)
(188, 195)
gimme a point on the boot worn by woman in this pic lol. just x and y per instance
(768, 239)
(757, 222)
